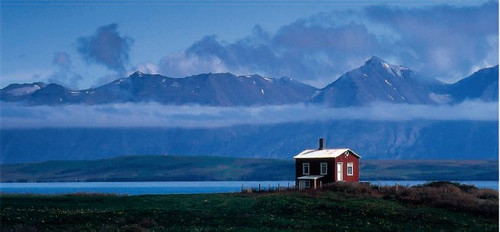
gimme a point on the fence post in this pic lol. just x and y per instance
(278, 187)
(259, 187)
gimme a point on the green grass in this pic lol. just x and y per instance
(325, 210)
(214, 168)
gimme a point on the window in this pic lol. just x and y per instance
(324, 168)
(305, 168)
(307, 184)
(350, 169)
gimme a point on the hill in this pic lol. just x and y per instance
(415, 139)
(213, 168)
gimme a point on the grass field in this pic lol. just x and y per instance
(344, 207)
(214, 168)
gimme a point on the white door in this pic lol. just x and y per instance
(339, 171)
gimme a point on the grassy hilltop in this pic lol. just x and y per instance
(343, 206)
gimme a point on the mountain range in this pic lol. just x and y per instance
(375, 81)
(221, 89)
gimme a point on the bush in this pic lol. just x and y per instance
(448, 195)
(487, 194)
(443, 194)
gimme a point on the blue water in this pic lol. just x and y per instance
(192, 187)
(477, 183)
(139, 188)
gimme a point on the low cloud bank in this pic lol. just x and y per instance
(195, 116)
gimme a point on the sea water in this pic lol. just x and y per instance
(139, 188)
(179, 187)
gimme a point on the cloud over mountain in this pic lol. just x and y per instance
(106, 47)
(445, 42)
(64, 75)
(441, 39)
(62, 60)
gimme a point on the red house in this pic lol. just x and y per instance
(315, 167)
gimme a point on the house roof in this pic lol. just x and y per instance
(324, 153)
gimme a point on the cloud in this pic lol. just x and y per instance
(250, 55)
(106, 47)
(183, 64)
(147, 67)
(442, 39)
(64, 76)
(195, 116)
(62, 60)
(445, 42)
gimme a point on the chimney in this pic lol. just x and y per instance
(321, 144)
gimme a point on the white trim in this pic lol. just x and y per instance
(350, 165)
(304, 165)
(339, 174)
(321, 168)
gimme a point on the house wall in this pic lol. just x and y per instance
(315, 168)
(348, 159)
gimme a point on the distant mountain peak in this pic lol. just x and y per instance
(377, 63)
(374, 81)
(137, 74)
(374, 59)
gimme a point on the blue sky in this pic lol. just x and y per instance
(82, 44)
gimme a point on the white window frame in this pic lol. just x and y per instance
(321, 168)
(304, 165)
(307, 184)
(350, 165)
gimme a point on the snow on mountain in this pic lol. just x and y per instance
(54, 94)
(17, 92)
(23, 90)
(375, 81)
(222, 89)
(378, 81)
